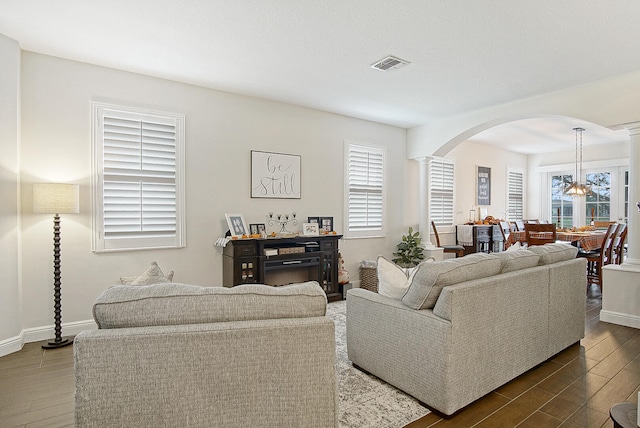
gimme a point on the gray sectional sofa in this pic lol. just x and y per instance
(466, 326)
(176, 355)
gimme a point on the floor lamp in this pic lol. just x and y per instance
(56, 199)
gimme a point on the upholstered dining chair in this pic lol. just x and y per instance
(520, 224)
(458, 250)
(540, 234)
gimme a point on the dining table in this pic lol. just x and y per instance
(586, 240)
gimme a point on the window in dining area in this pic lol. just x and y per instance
(561, 204)
(598, 201)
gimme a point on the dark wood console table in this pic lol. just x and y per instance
(487, 238)
(280, 261)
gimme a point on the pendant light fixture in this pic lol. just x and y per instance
(576, 188)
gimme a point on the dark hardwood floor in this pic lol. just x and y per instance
(576, 388)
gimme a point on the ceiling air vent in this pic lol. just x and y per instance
(389, 63)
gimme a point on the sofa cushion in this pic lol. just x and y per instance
(393, 280)
(430, 279)
(554, 253)
(171, 304)
(516, 260)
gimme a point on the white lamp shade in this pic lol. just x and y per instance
(56, 198)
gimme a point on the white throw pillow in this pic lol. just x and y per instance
(515, 246)
(393, 280)
(153, 275)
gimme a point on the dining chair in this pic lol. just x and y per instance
(602, 224)
(617, 244)
(520, 224)
(512, 226)
(596, 259)
(505, 229)
(540, 234)
(458, 250)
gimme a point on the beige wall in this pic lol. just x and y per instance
(221, 130)
(10, 304)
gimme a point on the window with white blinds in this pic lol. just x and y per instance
(441, 191)
(515, 195)
(138, 178)
(364, 191)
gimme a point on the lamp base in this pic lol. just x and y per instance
(52, 344)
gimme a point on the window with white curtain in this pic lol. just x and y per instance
(441, 191)
(515, 195)
(364, 191)
(138, 178)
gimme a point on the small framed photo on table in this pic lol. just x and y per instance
(256, 228)
(310, 229)
(313, 219)
(237, 225)
(326, 224)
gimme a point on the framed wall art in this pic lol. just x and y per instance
(275, 175)
(483, 185)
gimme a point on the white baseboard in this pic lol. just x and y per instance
(620, 319)
(38, 334)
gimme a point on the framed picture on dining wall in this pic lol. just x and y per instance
(275, 175)
(483, 185)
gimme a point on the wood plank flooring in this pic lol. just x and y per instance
(576, 388)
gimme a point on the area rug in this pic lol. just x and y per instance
(365, 400)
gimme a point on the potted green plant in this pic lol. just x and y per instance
(409, 253)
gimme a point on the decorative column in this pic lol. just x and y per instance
(425, 218)
(633, 225)
(621, 283)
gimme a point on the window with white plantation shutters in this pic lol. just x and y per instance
(138, 179)
(515, 195)
(441, 191)
(364, 191)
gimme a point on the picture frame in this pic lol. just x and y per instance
(483, 185)
(257, 228)
(237, 225)
(313, 219)
(311, 229)
(326, 223)
(275, 175)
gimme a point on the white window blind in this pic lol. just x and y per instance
(515, 195)
(365, 190)
(138, 180)
(441, 191)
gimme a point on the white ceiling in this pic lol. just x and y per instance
(464, 55)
